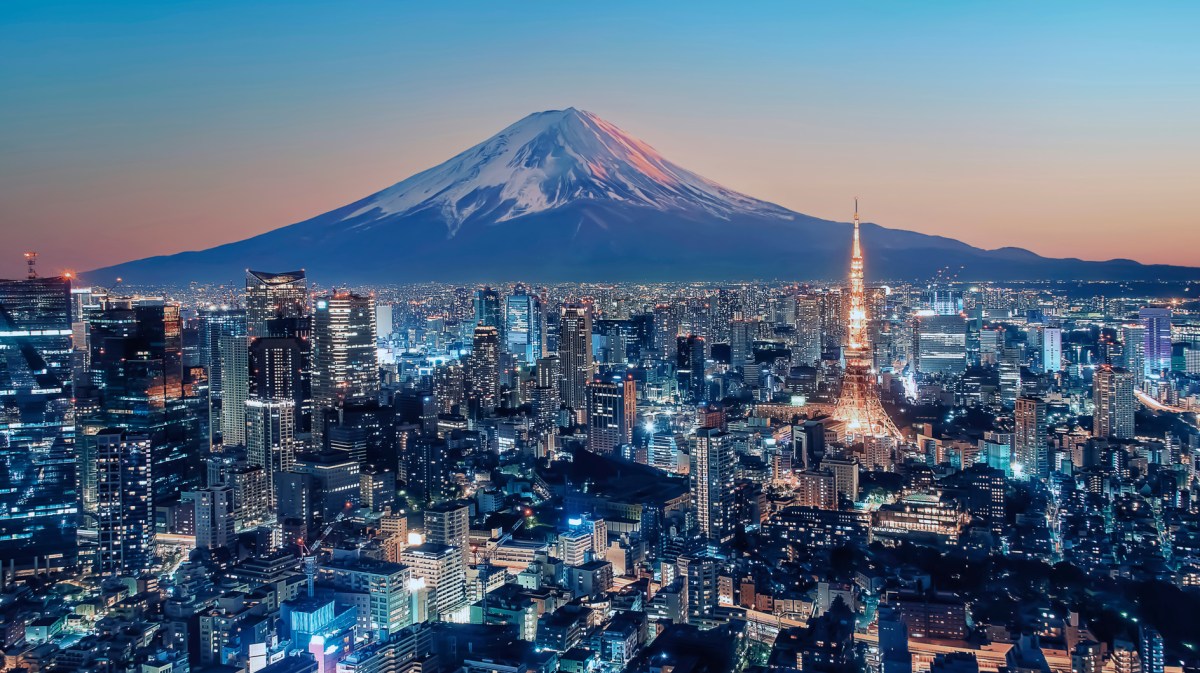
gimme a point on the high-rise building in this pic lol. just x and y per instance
(575, 355)
(1133, 344)
(215, 323)
(235, 375)
(125, 503)
(1051, 349)
(279, 370)
(1156, 340)
(271, 439)
(488, 309)
(741, 342)
(711, 475)
(448, 523)
(523, 325)
(808, 331)
(1030, 448)
(215, 517)
(690, 367)
(611, 414)
(440, 569)
(344, 358)
(39, 500)
(483, 368)
(136, 384)
(1114, 403)
(941, 345)
(272, 296)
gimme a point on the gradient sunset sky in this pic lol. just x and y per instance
(131, 129)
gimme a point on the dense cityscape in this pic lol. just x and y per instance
(290, 476)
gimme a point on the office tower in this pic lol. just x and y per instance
(808, 444)
(449, 386)
(1051, 349)
(741, 343)
(278, 370)
(690, 366)
(1010, 374)
(845, 476)
(271, 439)
(1133, 345)
(344, 358)
(214, 324)
(607, 421)
(272, 296)
(808, 331)
(816, 489)
(945, 301)
(38, 503)
(941, 345)
(448, 523)
(523, 325)
(575, 355)
(383, 321)
(442, 571)
(483, 368)
(235, 375)
(124, 503)
(858, 404)
(666, 328)
(215, 517)
(488, 310)
(1029, 439)
(628, 408)
(136, 384)
(711, 475)
(1156, 340)
(1114, 403)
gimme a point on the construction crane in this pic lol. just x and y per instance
(310, 552)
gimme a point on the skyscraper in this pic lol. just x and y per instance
(1114, 403)
(941, 345)
(1156, 349)
(741, 341)
(136, 384)
(235, 376)
(711, 475)
(575, 355)
(345, 360)
(38, 503)
(1051, 349)
(483, 368)
(488, 309)
(125, 503)
(279, 370)
(808, 331)
(611, 414)
(1029, 439)
(523, 325)
(690, 367)
(274, 295)
(215, 323)
(271, 439)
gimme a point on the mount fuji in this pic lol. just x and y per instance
(565, 195)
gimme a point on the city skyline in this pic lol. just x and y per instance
(143, 128)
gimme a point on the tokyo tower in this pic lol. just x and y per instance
(858, 406)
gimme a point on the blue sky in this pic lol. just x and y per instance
(155, 127)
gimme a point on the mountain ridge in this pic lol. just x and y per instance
(566, 195)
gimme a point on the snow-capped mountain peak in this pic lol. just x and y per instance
(551, 159)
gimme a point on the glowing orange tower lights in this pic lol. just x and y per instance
(858, 406)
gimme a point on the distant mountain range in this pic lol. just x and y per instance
(564, 195)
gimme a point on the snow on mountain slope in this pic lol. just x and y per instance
(550, 159)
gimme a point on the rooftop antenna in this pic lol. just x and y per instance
(31, 263)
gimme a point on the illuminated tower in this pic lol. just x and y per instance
(858, 407)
